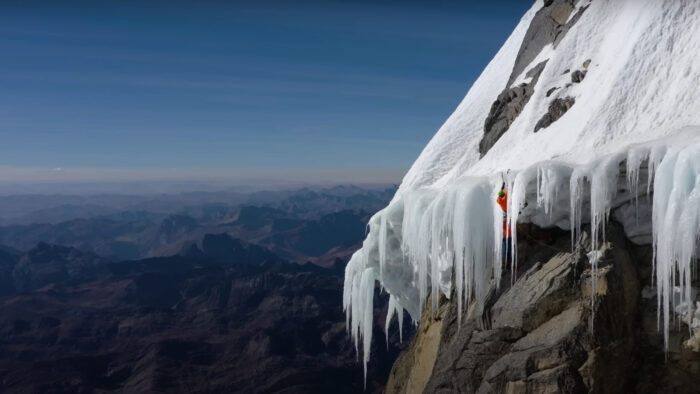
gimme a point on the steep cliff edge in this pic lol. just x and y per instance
(548, 333)
(587, 114)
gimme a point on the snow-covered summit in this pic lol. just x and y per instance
(584, 101)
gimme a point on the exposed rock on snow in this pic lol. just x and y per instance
(578, 76)
(546, 27)
(552, 90)
(549, 26)
(556, 110)
(507, 107)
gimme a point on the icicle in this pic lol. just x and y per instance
(383, 230)
(498, 254)
(553, 192)
(473, 239)
(482, 200)
(459, 230)
(358, 300)
(393, 309)
(516, 200)
(347, 294)
(604, 179)
(451, 230)
(479, 251)
(635, 158)
(440, 249)
(389, 314)
(542, 182)
(676, 227)
(367, 289)
(549, 183)
(576, 203)
(656, 154)
(416, 237)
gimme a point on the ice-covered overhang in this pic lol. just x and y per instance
(424, 239)
(594, 107)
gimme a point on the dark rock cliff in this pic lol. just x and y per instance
(549, 332)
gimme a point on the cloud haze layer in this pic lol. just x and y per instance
(26, 180)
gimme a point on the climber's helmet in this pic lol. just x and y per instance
(501, 193)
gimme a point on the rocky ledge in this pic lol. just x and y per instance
(549, 329)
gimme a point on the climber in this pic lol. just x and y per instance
(502, 201)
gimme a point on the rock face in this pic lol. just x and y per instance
(556, 110)
(507, 107)
(578, 76)
(414, 367)
(549, 25)
(551, 332)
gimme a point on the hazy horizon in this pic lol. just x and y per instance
(22, 181)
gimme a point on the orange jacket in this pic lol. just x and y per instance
(503, 203)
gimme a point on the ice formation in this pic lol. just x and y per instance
(676, 223)
(425, 236)
(632, 135)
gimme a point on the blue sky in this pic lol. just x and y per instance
(233, 86)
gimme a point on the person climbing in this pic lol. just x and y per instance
(502, 201)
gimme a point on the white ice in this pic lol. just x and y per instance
(676, 226)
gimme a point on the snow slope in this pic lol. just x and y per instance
(641, 85)
(636, 110)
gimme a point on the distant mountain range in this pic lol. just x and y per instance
(222, 315)
(192, 293)
(317, 225)
(308, 202)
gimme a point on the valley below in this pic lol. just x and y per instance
(194, 311)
